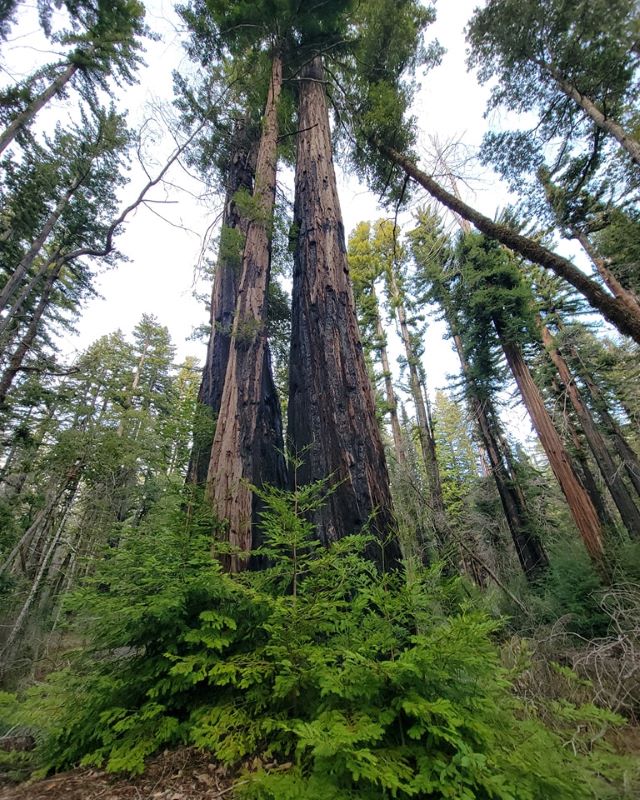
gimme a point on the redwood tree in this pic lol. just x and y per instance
(332, 425)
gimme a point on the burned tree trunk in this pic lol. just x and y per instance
(332, 423)
(224, 296)
(247, 447)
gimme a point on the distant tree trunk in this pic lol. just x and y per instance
(332, 423)
(24, 118)
(631, 145)
(610, 471)
(629, 298)
(224, 296)
(579, 502)
(12, 318)
(425, 428)
(28, 338)
(18, 275)
(626, 453)
(528, 546)
(390, 395)
(248, 444)
(625, 319)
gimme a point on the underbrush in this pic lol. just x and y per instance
(336, 681)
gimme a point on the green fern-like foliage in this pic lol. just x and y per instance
(342, 682)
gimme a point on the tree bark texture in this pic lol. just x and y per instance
(332, 423)
(611, 472)
(579, 502)
(224, 296)
(248, 443)
(625, 319)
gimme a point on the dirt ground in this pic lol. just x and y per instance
(184, 774)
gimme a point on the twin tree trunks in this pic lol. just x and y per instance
(332, 426)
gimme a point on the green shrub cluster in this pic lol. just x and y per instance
(337, 681)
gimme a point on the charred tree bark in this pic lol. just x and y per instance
(610, 471)
(248, 444)
(224, 296)
(579, 502)
(332, 424)
(624, 318)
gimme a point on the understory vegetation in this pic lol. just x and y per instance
(325, 678)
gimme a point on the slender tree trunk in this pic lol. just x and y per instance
(528, 546)
(25, 117)
(425, 432)
(631, 145)
(610, 471)
(247, 447)
(579, 502)
(15, 362)
(626, 453)
(27, 290)
(626, 320)
(626, 296)
(332, 423)
(29, 257)
(392, 403)
(224, 297)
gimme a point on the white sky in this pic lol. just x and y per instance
(158, 278)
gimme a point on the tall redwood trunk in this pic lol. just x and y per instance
(579, 502)
(24, 118)
(625, 319)
(332, 423)
(224, 296)
(611, 472)
(248, 443)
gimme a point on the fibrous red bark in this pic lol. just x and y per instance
(248, 447)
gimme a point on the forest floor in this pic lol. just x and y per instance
(183, 774)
